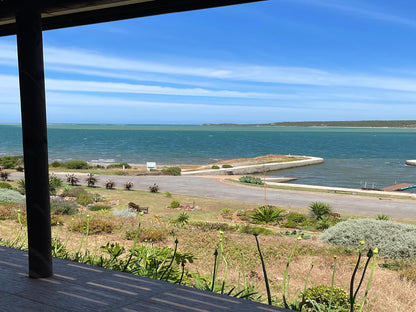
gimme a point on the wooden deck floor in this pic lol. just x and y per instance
(79, 287)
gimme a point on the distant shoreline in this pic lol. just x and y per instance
(406, 124)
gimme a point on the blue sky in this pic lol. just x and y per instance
(278, 60)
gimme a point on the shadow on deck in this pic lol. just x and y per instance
(80, 287)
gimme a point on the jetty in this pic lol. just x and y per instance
(258, 167)
(399, 187)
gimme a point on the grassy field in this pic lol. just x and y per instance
(390, 291)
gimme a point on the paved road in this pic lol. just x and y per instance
(215, 188)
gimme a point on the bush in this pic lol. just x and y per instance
(147, 235)
(84, 200)
(4, 175)
(5, 185)
(318, 210)
(109, 184)
(320, 295)
(99, 208)
(8, 211)
(94, 225)
(394, 240)
(73, 192)
(296, 217)
(175, 171)
(10, 162)
(174, 204)
(91, 180)
(72, 179)
(11, 196)
(119, 166)
(246, 229)
(227, 166)
(154, 188)
(76, 164)
(251, 180)
(128, 185)
(60, 207)
(215, 167)
(56, 164)
(54, 184)
(291, 224)
(267, 214)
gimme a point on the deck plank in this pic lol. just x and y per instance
(79, 287)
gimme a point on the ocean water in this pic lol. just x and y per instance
(354, 157)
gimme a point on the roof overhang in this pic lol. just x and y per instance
(68, 13)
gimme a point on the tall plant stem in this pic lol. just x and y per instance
(266, 280)
(284, 284)
(374, 254)
(214, 273)
(352, 298)
(332, 283)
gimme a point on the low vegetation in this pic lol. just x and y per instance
(181, 246)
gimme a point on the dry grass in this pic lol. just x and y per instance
(388, 291)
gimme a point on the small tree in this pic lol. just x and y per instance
(72, 179)
(109, 184)
(91, 180)
(4, 175)
(128, 185)
(154, 188)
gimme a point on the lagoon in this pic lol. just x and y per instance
(353, 156)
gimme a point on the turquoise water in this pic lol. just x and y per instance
(353, 156)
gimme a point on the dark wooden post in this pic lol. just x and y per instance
(35, 145)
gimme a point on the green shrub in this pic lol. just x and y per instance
(296, 217)
(394, 240)
(63, 207)
(73, 192)
(320, 296)
(56, 164)
(215, 167)
(174, 204)
(76, 164)
(11, 196)
(251, 180)
(84, 200)
(99, 208)
(326, 222)
(54, 184)
(318, 210)
(291, 224)
(175, 171)
(120, 166)
(5, 185)
(267, 214)
(10, 162)
(147, 235)
(227, 166)
(94, 225)
(182, 218)
(246, 229)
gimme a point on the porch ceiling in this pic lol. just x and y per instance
(68, 13)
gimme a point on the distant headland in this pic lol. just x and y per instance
(353, 124)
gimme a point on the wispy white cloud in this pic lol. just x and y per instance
(361, 9)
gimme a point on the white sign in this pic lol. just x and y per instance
(151, 166)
